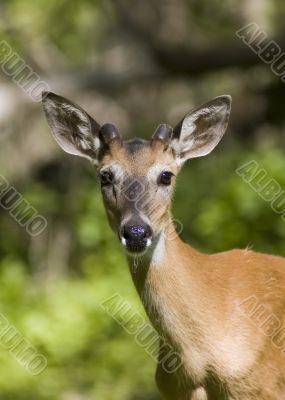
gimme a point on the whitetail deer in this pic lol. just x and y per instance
(192, 299)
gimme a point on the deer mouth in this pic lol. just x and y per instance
(136, 246)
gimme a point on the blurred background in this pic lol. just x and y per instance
(136, 64)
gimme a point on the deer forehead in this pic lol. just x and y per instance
(139, 158)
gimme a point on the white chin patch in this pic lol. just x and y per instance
(148, 242)
(124, 243)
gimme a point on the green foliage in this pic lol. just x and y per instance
(66, 25)
(220, 211)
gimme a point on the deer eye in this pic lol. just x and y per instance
(106, 178)
(165, 178)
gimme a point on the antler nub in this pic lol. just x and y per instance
(163, 134)
(108, 133)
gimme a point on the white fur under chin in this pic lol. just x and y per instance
(155, 254)
(159, 251)
(124, 244)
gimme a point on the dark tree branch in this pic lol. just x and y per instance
(192, 61)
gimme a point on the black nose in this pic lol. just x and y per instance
(136, 232)
(136, 236)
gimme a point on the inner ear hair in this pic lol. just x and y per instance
(198, 133)
(73, 128)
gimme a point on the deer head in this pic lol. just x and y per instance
(137, 176)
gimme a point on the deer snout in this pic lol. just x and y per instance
(136, 237)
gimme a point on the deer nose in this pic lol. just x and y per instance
(136, 232)
(136, 237)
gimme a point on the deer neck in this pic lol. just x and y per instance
(164, 275)
(173, 288)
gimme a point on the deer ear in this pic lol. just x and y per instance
(73, 129)
(201, 129)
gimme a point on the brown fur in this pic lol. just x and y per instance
(193, 301)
